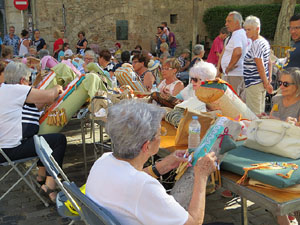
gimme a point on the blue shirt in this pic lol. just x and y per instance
(294, 57)
(14, 42)
(260, 49)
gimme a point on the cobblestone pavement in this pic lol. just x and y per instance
(22, 207)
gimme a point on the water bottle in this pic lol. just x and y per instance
(153, 89)
(194, 134)
(114, 82)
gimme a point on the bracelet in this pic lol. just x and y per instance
(155, 171)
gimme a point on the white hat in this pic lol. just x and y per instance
(68, 53)
(152, 65)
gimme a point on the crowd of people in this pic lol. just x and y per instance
(239, 55)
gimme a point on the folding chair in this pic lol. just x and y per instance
(22, 171)
(44, 152)
(93, 213)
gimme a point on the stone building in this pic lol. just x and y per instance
(129, 22)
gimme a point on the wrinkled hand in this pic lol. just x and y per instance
(269, 88)
(166, 90)
(263, 115)
(292, 120)
(205, 165)
(59, 89)
(173, 160)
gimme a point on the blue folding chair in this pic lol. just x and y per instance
(44, 152)
(23, 172)
(93, 213)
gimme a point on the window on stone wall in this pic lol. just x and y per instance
(122, 29)
(173, 18)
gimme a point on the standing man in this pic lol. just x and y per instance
(172, 43)
(217, 47)
(234, 52)
(294, 28)
(12, 40)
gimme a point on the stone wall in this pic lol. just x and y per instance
(98, 19)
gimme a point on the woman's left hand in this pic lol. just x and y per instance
(173, 160)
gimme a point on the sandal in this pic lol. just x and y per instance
(48, 192)
(41, 179)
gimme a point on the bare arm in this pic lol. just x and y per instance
(39, 97)
(178, 87)
(148, 80)
(204, 167)
(219, 63)
(262, 74)
(235, 57)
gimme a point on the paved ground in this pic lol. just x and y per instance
(21, 207)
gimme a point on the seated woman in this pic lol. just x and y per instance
(15, 94)
(201, 71)
(286, 106)
(118, 182)
(170, 85)
(140, 63)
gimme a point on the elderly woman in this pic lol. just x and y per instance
(140, 63)
(286, 106)
(82, 43)
(257, 67)
(118, 182)
(201, 71)
(18, 120)
(89, 57)
(170, 85)
(198, 54)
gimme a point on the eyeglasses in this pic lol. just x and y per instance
(166, 68)
(294, 28)
(195, 79)
(284, 83)
(89, 59)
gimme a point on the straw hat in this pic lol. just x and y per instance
(152, 65)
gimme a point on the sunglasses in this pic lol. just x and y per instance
(195, 79)
(285, 83)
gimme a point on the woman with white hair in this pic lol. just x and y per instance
(118, 182)
(17, 117)
(201, 71)
(257, 67)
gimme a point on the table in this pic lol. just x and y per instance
(277, 202)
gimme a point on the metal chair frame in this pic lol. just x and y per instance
(23, 172)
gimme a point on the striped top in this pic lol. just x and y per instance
(126, 76)
(260, 48)
(30, 120)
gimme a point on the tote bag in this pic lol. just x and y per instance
(274, 136)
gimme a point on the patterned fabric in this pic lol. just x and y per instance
(260, 49)
(173, 117)
(30, 120)
(14, 42)
(126, 76)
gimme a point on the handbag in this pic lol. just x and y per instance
(274, 136)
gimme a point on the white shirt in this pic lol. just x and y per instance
(132, 196)
(23, 49)
(12, 99)
(238, 39)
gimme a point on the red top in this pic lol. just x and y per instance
(217, 46)
(57, 43)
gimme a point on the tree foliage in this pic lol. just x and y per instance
(214, 18)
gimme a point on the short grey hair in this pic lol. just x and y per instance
(237, 17)
(252, 21)
(198, 49)
(294, 72)
(91, 53)
(130, 124)
(204, 71)
(43, 52)
(15, 71)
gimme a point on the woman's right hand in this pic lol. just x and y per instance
(205, 165)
